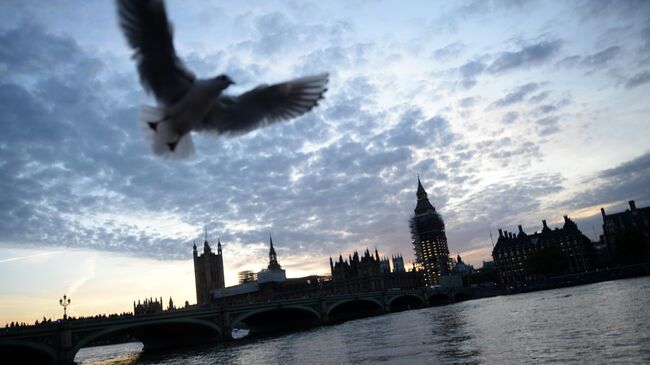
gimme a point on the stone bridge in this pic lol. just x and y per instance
(58, 343)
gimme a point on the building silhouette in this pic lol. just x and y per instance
(429, 239)
(461, 268)
(268, 284)
(398, 263)
(512, 251)
(273, 272)
(148, 306)
(208, 271)
(384, 265)
(370, 273)
(634, 220)
(356, 266)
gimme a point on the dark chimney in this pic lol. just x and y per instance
(632, 205)
(602, 211)
(521, 230)
(500, 232)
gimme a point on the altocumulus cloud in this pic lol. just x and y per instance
(640, 78)
(74, 171)
(527, 56)
(73, 165)
(627, 181)
(517, 95)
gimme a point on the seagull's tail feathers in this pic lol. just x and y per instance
(160, 135)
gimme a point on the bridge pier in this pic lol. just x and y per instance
(65, 354)
(226, 325)
(385, 302)
(324, 316)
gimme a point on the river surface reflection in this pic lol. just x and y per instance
(599, 323)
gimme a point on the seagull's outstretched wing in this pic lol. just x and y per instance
(264, 105)
(145, 25)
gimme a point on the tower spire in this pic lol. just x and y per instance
(423, 204)
(421, 193)
(273, 258)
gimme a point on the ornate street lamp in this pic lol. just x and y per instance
(64, 302)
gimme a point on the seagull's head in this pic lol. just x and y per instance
(222, 81)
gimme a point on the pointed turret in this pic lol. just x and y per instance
(206, 245)
(195, 253)
(218, 246)
(569, 224)
(521, 232)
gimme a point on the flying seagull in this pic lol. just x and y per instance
(186, 103)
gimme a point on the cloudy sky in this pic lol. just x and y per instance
(510, 111)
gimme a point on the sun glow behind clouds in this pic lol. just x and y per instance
(97, 283)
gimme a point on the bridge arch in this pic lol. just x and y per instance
(462, 296)
(439, 299)
(345, 301)
(188, 331)
(354, 308)
(278, 318)
(405, 301)
(28, 352)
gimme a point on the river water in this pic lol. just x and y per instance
(600, 323)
